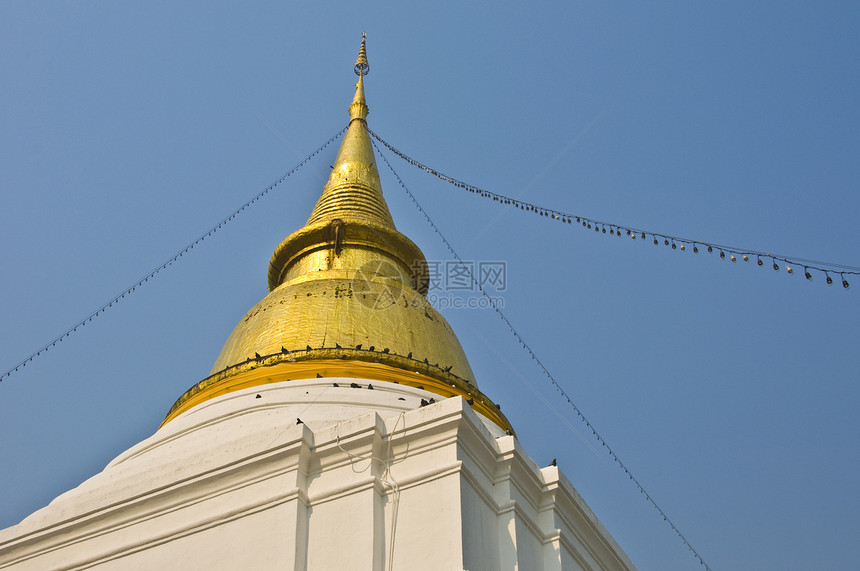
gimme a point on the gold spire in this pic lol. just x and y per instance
(353, 189)
(347, 296)
(358, 108)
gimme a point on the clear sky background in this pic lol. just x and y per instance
(729, 390)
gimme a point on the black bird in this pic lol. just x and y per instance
(470, 401)
(426, 362)
(424, 402)
(420, 387)
(371, 348)
(336, 346)
(335, 385)
(258, 396)
(385, 350)
(369, 386)
(498, 406)
(358, 347)
(284, 350)
(299, 421)
(553, 463)
(409, 356)
(431, 401)
(310, 348)
(355, 385)
(319, 376)
(448, 368)
(508, 432)
(257, 355)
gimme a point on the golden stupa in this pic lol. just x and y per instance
(347, 297)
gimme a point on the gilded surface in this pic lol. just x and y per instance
(344, 244)
(347, 309)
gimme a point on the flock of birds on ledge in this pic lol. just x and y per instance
(359, 347)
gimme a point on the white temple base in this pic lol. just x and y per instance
(236, 483)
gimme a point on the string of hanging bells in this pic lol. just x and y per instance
(776, 261)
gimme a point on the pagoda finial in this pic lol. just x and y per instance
(361, 66)
(358, 109)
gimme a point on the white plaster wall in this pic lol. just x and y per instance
(236, 483)
(264, 539)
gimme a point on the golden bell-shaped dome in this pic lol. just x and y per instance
(347, 297)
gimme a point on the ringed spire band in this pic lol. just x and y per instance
(361, 66)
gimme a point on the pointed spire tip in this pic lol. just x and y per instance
(361, 66)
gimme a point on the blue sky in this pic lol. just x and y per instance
(728, 389)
